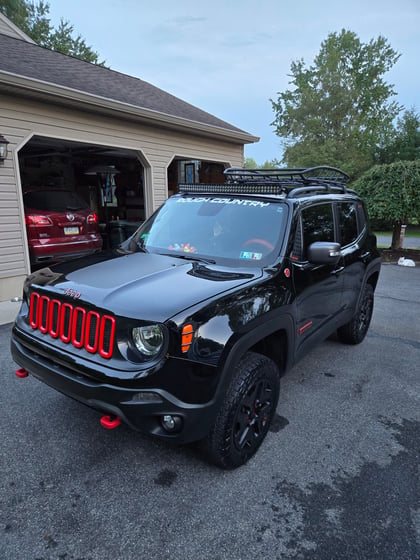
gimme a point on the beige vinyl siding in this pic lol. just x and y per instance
(9, 28)
(13, 258)
(20, 119)
(5, 29)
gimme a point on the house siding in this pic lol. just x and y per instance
(9, 28)
(20, 119)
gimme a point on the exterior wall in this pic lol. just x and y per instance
(21, 119)
(14, 263)
(9, 28)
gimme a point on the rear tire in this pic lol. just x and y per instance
(246, 412)
(355, 330)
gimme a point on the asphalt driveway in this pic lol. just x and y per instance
(336, 478)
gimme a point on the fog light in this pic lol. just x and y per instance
(171, 423)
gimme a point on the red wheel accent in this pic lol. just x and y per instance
(110, 422)
(260, 242)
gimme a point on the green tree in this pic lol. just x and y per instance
(32, 18)
(392, 194)
(339, 109)
(405, 143)
(250, 163)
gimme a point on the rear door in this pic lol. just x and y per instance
(352, 234)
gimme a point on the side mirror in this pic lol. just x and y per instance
(324, 252)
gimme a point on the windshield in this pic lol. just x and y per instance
(215, 228)
(54, 200)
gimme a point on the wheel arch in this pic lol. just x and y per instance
(273, 339)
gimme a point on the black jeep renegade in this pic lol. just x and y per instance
(184, 331)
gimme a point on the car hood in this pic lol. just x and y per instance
(146, 286)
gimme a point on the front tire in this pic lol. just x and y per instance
(246, 412)
(355, 330)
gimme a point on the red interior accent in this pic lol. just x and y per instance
(259, 241)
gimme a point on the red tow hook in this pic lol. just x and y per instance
(110, 422)
(21, 373)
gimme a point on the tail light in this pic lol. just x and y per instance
(37, 220)
(92, 218)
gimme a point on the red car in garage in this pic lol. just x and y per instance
(60, 225)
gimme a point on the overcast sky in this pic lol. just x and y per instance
(230, 57)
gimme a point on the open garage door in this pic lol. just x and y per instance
(66, 175)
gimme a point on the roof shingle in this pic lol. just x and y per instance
(32, 61)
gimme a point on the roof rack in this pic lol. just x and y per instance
(322, 174)
(290, 182)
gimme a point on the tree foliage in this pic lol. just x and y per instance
(32, 18)
(339, 109)
(405, 142)
(250, 163)
(392, 194)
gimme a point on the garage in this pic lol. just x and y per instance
(120, 144)
(109, 182)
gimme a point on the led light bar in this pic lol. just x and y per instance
(229, 188)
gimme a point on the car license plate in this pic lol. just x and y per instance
(71, 230)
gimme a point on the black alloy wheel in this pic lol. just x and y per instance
(252, 416)
(246, 412)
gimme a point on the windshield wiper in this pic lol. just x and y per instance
(189, 257)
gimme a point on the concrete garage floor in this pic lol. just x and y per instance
(336, 479)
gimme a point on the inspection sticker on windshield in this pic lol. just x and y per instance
(250, 255)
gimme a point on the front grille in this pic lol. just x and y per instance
(72, 324)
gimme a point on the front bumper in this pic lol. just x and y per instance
(142, 409)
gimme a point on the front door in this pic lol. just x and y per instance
(317, 287)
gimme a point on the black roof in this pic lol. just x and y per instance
(29, 60)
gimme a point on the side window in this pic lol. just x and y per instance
(347, 220)
(318, 225)
(361, 216)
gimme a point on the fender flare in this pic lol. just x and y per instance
(372, 269)
(249, 339)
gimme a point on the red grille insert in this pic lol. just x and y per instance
(83, 329)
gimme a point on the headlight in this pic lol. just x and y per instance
(148, 340)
